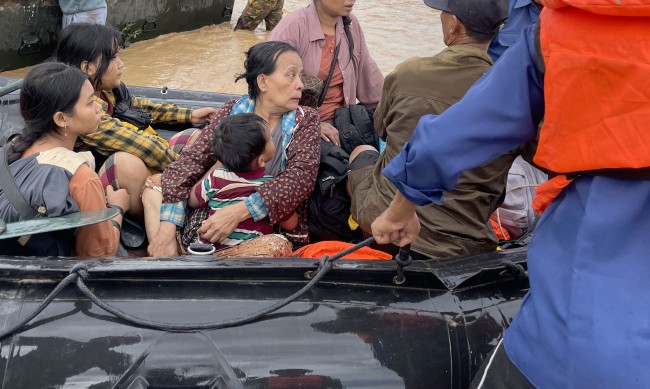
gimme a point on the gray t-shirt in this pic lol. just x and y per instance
(272, 168)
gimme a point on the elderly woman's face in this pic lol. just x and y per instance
(336, 8)
(283, 87)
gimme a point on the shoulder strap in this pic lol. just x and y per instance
(11, 190)
(348, 34)
(329, 76)
(346, 27)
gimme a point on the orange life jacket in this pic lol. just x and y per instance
(605, 7)
(596, 87)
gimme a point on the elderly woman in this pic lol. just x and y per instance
(274, 88)
(316, 31)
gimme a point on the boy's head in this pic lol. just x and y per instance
(240, 141)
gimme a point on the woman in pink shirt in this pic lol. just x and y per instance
(315, 31)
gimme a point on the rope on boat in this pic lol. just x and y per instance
(79, 274)
(65, 282)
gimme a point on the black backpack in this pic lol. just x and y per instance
(356, 127)
(328, 206)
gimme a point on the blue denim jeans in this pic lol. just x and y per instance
(97, 16)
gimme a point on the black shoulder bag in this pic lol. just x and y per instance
(328, 207)
(124, 110)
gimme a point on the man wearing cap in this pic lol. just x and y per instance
(430, 85)
(586, 320)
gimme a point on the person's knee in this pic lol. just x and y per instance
(183, 139)
(363, 190)
(360, 149)
(130, 170)
(360, 159)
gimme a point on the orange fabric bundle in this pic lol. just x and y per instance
(502, 233)
(549, 191)
(332, 247)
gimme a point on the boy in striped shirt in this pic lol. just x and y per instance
(242, 145)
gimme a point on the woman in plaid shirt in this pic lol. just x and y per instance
(128, 148)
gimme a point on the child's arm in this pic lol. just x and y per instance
(198, 199)
(290, 223)
(195, 200)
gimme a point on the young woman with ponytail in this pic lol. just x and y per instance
(56, 102)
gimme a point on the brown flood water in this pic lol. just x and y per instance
(208, 59)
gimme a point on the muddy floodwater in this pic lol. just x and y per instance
(209, 58)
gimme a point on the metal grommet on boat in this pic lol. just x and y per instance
(399, 280)
(201, 249)
(403, 259)
(164, 90)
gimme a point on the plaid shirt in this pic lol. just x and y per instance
(114, 135)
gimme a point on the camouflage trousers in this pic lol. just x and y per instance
(257, 10)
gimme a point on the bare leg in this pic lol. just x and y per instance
(126, 171)
(357, 150)
(151, 200)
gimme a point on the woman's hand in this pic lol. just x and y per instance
(200, 115)
(118, 197)
(398, 223)
(164, 243)
(329, 133)
(224, 221)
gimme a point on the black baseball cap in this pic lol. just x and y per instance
(484, 16)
